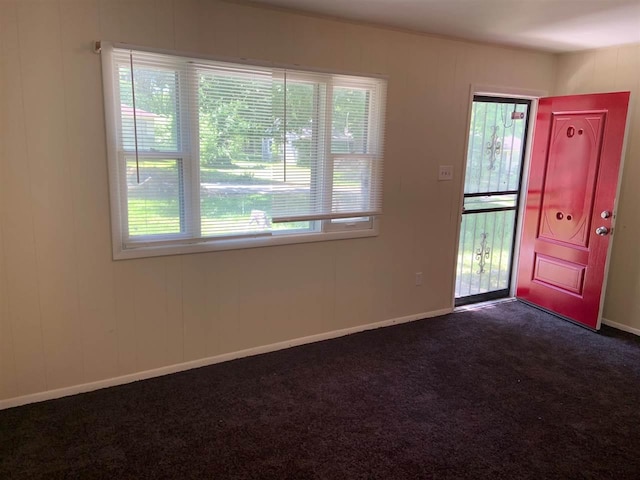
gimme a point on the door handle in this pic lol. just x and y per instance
(602, 231)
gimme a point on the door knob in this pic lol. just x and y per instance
(605, 214)
(602, 231)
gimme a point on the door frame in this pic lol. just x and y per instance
(534, 96)
(504, 92)
(616, 201)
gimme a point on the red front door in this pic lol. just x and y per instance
(568, 217)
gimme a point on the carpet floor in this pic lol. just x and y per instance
(502, 392)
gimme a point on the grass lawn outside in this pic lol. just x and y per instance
(229, 196)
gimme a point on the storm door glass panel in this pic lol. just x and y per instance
(484, 261)
(497, 141)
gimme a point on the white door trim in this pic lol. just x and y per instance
(607, 262)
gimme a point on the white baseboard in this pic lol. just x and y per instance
(157, 372)
(620, 326)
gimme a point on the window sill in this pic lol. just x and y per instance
(238, 243)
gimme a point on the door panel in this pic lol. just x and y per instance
(573, 179)
(558, 273)
(573, 160)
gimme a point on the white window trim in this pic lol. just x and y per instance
(326, 230)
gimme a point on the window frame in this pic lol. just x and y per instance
(189, 240)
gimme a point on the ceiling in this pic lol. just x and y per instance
(552, 25)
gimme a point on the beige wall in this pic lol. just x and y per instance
(609, 70)
(69, 314)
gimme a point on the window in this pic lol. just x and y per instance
(208, 155)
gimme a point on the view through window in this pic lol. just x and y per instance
(208, 150)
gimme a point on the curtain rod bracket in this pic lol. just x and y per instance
(97, 47)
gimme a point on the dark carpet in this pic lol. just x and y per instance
(504, 392)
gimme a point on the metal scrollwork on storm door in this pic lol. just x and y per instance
(483, 253)
(494, 148)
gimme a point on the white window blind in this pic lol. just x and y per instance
(208, 152)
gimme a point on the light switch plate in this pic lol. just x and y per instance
(445, 172)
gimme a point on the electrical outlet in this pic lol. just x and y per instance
(418, 279)
(445, 172)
